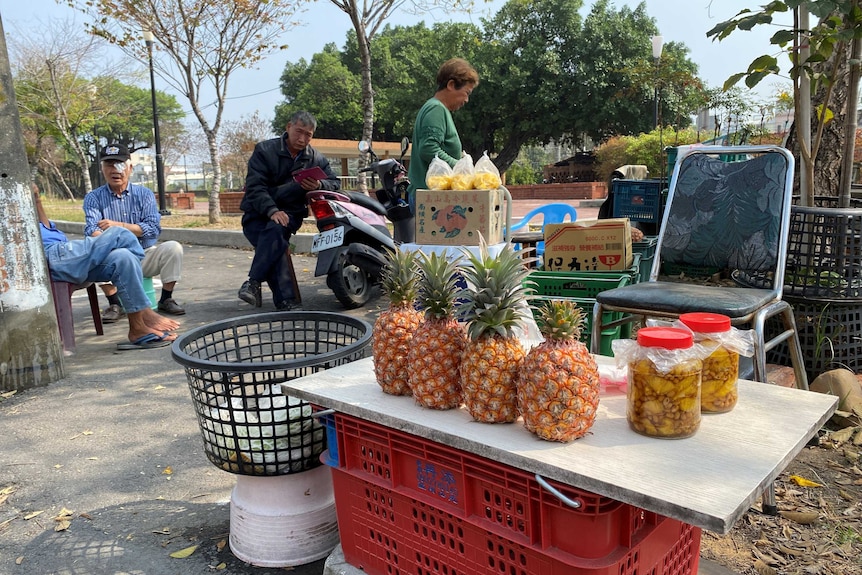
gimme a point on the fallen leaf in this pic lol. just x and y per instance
(791, 552)
(164, 531)
(19, 560)
(58, 466)
(85, 516)
(8, 394)
(3, 498)
(167, 470)
(158, 387)
(802, 482)
(62, 525)
(842, 435)
(762, 568)
(7, 490)
(220, 545)
(88, 432)
(183, 553)
(221, 566)
(32, 515)
(93, 458)
(801, 517)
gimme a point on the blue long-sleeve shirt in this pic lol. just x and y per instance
(136, 205)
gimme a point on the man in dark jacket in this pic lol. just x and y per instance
(274, 207)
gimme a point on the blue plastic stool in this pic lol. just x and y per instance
(151, 292)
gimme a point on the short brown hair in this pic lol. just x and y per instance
(458, 70)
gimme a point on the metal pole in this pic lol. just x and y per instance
(160, 161)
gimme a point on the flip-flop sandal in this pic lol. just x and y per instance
(149, 341)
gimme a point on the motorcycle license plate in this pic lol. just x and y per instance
(328, 239)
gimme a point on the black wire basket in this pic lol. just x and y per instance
(233, 367)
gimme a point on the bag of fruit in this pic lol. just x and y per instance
(462, 173)
(439, 175)
(486, 175)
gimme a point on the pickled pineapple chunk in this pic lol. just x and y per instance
(664, 404)
(720, 372)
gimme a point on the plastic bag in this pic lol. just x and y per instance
(737, 340)
(486, 175)
(627, 351)
(439, 175)
(462, 173)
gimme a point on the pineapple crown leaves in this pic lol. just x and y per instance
(438, 285)
(400, 277)
(496, 300)
(561, 320)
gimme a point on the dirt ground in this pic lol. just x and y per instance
(818, 530)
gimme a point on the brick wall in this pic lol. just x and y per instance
(569, 191)
(180, 201)
(229, 202)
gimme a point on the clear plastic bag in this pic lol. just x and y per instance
(462, 173)
(486, 176)
(439, 175)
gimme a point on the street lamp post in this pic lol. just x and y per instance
(657, 44)
(160, 161)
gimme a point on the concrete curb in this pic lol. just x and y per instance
(212, 238)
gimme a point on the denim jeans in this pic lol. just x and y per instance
(114, 256)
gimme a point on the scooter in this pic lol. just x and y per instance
(353, 239)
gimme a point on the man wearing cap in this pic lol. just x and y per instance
(120, 203)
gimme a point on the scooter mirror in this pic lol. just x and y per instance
(364, 146)
(405, 144)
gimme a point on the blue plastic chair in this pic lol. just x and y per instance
(551, 214)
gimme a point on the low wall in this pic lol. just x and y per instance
(568, 191)
(229, 202)
(180, 200)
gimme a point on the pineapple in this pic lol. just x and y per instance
(558, 387)
(434, 358)
(495, 305)
(394, 328)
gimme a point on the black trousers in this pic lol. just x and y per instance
(270, 265)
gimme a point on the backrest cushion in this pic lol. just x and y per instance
(726, 214)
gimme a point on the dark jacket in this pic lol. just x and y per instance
(269, 186)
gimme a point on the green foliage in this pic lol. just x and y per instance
(521, 172)
(644, 149)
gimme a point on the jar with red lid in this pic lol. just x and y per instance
(718, 390)
(663, 397)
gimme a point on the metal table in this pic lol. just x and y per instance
(708, 480)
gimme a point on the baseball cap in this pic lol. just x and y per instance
(115, 152)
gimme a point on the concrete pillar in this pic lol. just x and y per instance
(30, 350)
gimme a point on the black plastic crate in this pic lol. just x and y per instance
(637, 200)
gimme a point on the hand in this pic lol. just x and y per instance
(310, 184)
(105, 224)
(637, 235)
(281, 218)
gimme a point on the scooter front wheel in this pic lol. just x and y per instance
(351, 285)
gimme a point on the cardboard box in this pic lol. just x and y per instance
(589, 245)
(456, 218)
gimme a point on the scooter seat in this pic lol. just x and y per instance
(366, 202)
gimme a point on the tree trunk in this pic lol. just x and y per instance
(214, 207)
(367, 96)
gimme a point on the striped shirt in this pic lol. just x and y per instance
(136, 205)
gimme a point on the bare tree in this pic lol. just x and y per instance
(238, 140)
(201, 43)
(51, 71)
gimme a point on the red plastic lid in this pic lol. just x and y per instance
(706, 322)
(666, 337)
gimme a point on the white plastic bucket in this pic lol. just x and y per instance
(285, 520)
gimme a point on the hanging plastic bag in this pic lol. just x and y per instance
(439, 175)
(462, 173)
(486, 175)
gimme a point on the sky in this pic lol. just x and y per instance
(685, 21)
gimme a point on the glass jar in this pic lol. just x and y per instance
(718, 392)
(663, 397)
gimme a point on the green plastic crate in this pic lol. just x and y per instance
(646, 249)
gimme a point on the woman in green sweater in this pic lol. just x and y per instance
(434, 133)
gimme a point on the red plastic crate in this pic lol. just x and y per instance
(493, 496)
(388, 533)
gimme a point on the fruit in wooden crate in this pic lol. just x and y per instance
(558, 386)
(394, 328)
(494, 308)
(434, 358)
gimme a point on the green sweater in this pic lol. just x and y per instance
(433, 135)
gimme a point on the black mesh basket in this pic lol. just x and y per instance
(233, 367)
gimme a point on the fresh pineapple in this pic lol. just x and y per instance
(434, 358)
(558, 387)
(495, 306)
(394, 328)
